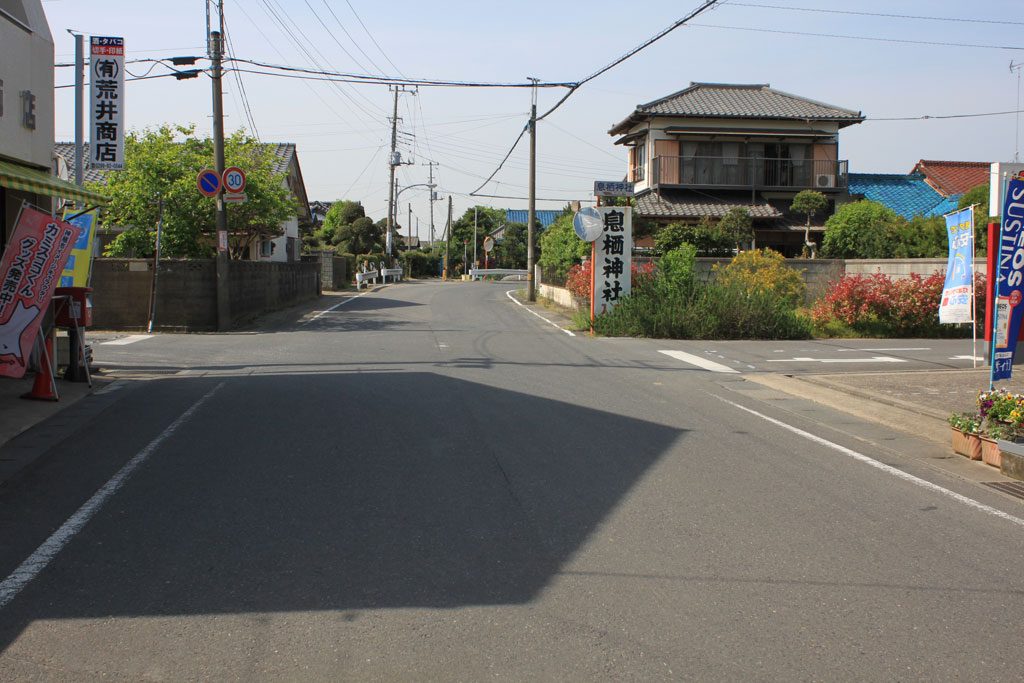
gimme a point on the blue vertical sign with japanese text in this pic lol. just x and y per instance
(958, 291)
(1010, 284)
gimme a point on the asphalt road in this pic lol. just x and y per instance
(431, 483)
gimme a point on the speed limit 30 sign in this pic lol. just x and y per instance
(234, 180)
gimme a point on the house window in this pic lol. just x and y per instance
(640, 161)
(266, 249)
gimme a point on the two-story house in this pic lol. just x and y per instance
(703, 150)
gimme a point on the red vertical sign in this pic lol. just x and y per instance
(29, 272)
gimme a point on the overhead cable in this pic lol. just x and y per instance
(959, 20)
(907, 41)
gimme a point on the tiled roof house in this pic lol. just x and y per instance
(907, 195)
(713, 146)
(953, 178)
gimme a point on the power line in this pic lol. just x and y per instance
(347, 77)
(926, 117)
(708, 4)
(334, 37)
(576, 86)
(964, 20)
(247, 108)
(358, 46)
(374, 40)
(906, 41)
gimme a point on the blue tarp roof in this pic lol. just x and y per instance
(546, 217)
(907, 195)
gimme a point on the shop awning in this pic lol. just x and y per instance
(27, 179)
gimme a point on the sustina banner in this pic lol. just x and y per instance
(958, 291)
(1010, 285)
(29, 272)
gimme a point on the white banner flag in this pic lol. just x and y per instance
(613, 259)
(106, 101)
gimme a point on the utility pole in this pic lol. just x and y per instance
(433, 198)
(475, 209)
(223, 256)
(393, 162)
(408, 245)
(531, 286)
(79, 110)
(448, 238)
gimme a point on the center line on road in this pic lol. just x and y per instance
(44, 554)
(702, 363)
(923, 483)
(509, 295)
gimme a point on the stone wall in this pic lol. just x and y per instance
(901, 268)
(333, 269)
(187, 292)
(560, 295)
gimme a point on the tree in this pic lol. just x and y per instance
(487, 221)
(164, 161)
(361, 236)
(560, 246)
(707, 236)
(920, 237)
(738, 224)
(982, 214)
(809, 203)
(863, 229)
(512, 250)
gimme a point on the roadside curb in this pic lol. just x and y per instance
(860, 403)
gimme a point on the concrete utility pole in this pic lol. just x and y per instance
(79, 110)
(475, 210)
(447, 238)
(433, 198)
(531, 286)
(223, 256)
(393, 162)
(408, 245)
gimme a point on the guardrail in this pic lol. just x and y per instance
(484, 272)
(363, 278)
(394, 273)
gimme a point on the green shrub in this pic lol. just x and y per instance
(763, 270)
(419, 263)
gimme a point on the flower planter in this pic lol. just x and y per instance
(990, 453)
(967, 445)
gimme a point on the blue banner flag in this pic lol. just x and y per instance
(1010, 284)
(958, 292)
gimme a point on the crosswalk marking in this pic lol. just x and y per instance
(124, 341)
(702, 363)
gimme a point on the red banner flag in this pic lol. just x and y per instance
(29, 272)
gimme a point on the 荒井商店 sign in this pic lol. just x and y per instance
(106, 102)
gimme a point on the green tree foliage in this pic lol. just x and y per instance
(809, 203)
(919, 237)
(738, 224)
(707, 236)
(861, 229)
(983, 214)
(361, 236)
(560, 247)
(343, 212)
(512, 249)
(164, 161)
(487, 221)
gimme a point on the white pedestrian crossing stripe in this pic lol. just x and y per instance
(702, 363)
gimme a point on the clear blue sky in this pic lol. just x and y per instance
(342, 131)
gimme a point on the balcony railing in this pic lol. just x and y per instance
(750, 172)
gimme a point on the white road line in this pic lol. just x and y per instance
(335, 307)
(898, 348)
(702, 363)
(873, 359)
(553, 324)
(923, 483)
(966, 358)
(124, 341)
(44, 554)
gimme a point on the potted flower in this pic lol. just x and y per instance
(965, 434)
(990, 453)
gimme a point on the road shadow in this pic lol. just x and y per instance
(363, 491)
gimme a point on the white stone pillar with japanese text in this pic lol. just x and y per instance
(612, 268)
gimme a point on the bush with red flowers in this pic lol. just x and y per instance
(880, 306)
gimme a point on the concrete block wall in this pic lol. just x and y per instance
(187, 292)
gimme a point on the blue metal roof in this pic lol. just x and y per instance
(907, 195)
(546, 216)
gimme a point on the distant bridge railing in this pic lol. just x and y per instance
(476, 273)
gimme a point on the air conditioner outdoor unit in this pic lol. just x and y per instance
(825, 180)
